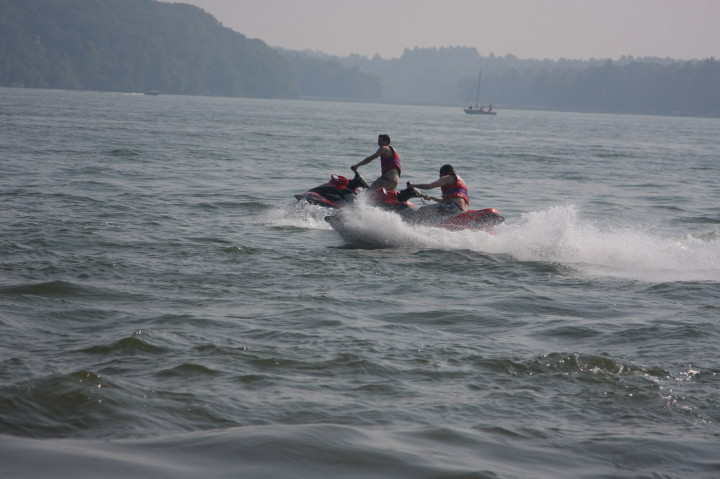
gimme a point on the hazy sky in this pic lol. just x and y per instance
(577, 29)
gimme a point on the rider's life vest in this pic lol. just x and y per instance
(455, 190)
(390, 162)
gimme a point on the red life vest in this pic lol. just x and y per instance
(455, 190)
(390, 162)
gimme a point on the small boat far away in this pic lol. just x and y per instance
(478, 109)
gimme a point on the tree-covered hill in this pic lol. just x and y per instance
(134, 45)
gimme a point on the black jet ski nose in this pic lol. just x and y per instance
(358, 181)
(409, 192)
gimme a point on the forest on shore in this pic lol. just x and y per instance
(175, 48)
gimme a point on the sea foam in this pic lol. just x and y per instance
(556, 234)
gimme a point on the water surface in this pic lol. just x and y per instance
(168, 310)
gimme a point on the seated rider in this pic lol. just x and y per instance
(454, 200)
(389, 165)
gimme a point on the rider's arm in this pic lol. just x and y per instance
(443, 180)
(366, 160)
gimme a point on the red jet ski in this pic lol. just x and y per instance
(340, 192)
(336, 193)
(483, 219)
(398, 201)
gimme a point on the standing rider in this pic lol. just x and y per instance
(455, 194)
(389, 165)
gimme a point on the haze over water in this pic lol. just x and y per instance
(168, 310)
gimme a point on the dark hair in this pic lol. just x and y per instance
(447, 170)
(384, 137)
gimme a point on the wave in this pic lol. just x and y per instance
(53, 289)
(328, 450)
(67, 290)
(123, 152)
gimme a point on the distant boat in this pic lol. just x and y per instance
(153, 92)
(478, 109)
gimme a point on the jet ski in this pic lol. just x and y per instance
(399, 202)
(484, 219)
(338, 192)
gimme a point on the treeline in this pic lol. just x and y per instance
(640, 87)
(447, 76)
(141, 45)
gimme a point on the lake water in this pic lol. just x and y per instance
(167, 309)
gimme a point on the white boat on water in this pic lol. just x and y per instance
(478, 109)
